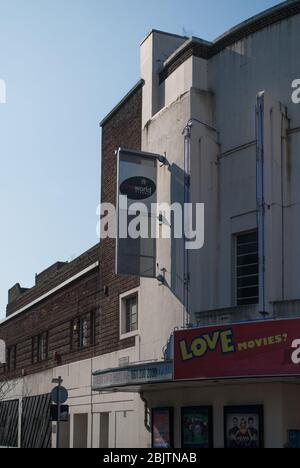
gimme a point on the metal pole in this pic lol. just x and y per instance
(58, 413)
(187, 182)
(20, 422)
(260, 201)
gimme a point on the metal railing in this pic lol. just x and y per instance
(6, 386)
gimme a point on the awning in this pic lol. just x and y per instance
(133, 377)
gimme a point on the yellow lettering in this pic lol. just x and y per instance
(199, 347)
(212, 342)
(259, 343)
(271, 340)
(227, 342)
(242, 346)
(186, 356)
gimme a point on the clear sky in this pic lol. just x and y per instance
(66, 63)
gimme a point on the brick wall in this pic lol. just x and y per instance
(123, 129)
(53, 315)
(97, 292)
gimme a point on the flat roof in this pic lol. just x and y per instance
(165, 33)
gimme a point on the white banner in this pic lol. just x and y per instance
(137, 194)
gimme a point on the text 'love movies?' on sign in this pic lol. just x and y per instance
(262, 349)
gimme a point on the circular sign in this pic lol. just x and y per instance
(138, 188)
(59, 395)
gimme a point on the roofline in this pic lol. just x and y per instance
(158, 31)
(50, 293)
(206, 50)
(87, 258)
(254, 18)
(191, 40)
(139, 85)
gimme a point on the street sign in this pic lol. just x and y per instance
(64, 413)
(59, 395)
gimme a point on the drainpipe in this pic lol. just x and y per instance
(187, 185)
(260, 201)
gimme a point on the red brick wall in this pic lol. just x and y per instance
(122, 130)
(56, 313)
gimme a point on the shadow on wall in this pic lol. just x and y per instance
(177, 245)
(177, 248)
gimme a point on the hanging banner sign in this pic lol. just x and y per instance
(137, 193)
(260, 349)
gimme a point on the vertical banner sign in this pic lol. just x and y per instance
(137, 193)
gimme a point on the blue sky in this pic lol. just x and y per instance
(66, 63)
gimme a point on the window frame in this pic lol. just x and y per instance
(76, 331)
(36, 355)
(238, 301)
(43, 338)
(81, 336)
(123, 314)
(11, 364)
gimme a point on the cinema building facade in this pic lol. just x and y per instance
(223, 116)
(205, 353)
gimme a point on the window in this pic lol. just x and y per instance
(43, 347)
(11, 359)
(40, 348)
(83, 331)
(129, 321)
(247, 269)
(131, 314)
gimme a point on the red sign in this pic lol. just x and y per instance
(269, 348)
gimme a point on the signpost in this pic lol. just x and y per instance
(59, 396)
(64, 413)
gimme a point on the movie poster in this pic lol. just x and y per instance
(244, 427)
(196, 428)
(162, 428)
